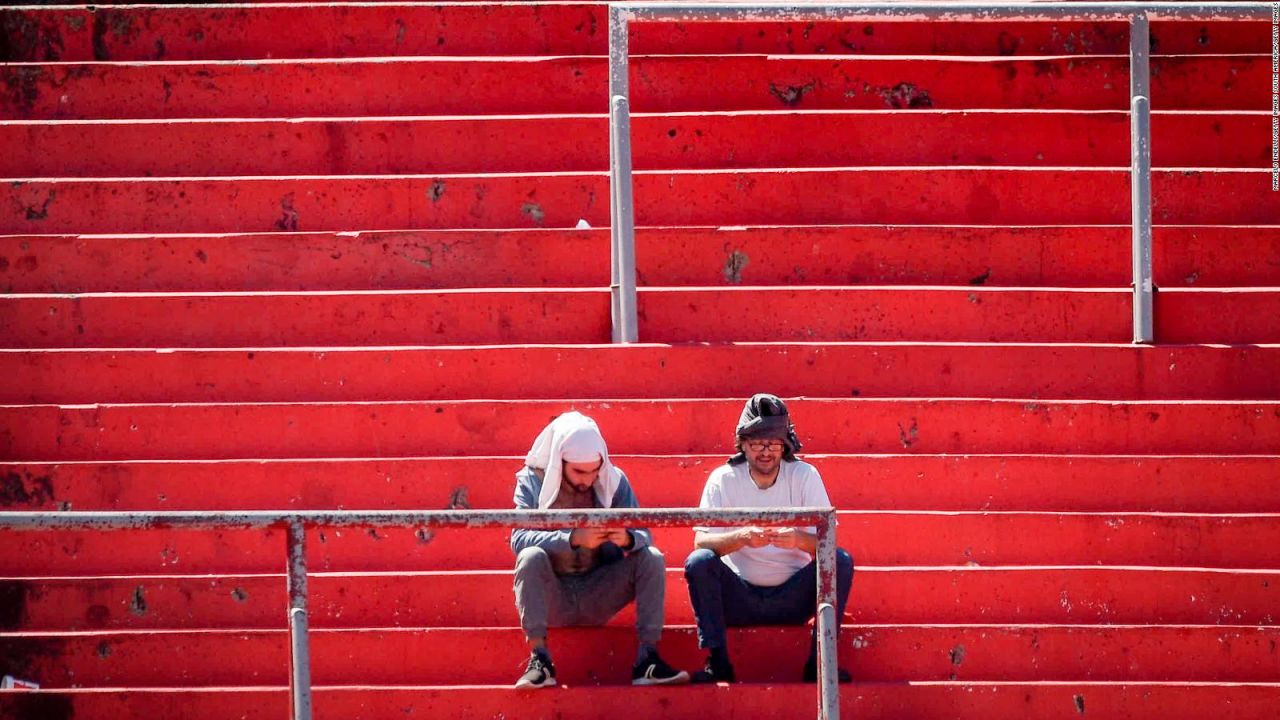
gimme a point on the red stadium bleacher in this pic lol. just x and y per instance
(324, 256)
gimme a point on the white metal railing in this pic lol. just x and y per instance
(1137, 14)
(296, 523)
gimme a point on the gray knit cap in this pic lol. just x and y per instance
(765, 416)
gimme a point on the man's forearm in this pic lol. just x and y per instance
(549, 540)
(807, 541)
(721, 543)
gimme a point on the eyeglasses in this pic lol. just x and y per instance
(761, 445)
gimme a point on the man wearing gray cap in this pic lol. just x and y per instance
(752, 575)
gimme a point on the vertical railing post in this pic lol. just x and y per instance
(299, 644)
(1140, 176)
(622, 287)
(827, 622)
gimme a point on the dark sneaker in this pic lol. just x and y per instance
(715, 672)
(540, 673)
(811, 672)
(652, 670)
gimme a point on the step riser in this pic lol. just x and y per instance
(1017, 257)
(590, 656)
(120, 432)
(1048, 483)
(640, 372)
(578, 85)
(574, 144)
(888, 196)
(962, 702)
(665, 316)
(193, 33)
(310, 320)
(889, 701)
(873, 539)
(905, 596)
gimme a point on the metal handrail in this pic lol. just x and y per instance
(622, 209)
(296, 524)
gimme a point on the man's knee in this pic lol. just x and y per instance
(844, 561)
(700, 563)
(844, 568)
(532, 561)
(652, 557)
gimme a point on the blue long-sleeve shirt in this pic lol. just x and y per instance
(565, 558)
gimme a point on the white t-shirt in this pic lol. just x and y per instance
(731, 486)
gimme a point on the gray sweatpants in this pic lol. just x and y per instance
(545, 599)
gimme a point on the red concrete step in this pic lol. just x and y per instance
(887, 196)
(196, 33)
(604, 656)
(503, 85)
(452, 428)
(1119, 372)
(964, 314)
(874, 538)
(1207, 256)
(443, 317)
(369, 146)
(893, 701)
(666, 315)
(1069, 483)
(484, 599)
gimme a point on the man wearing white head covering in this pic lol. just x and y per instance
(586, 575)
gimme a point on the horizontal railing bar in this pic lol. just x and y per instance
(960, 11)
(537, 519)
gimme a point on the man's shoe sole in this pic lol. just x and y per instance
(523, 684)
(679, 678)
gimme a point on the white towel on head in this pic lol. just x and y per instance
(572, 437)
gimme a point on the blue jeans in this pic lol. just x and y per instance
(721, 598)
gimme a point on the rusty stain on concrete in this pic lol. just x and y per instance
(734, 264)
(533, 211)
(23, 39)
(906, 95)
(43, 212)
(138, 602)
(458, 499)
(909, 436)
(791, 95)
(288, 221)
(25, 489)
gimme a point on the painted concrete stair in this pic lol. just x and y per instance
(533, 143)
(875, 538)
(1083, 529)
(816, 196)
(577, 84)
(466, 656)
(469, 598)
(962, 700)
(1033, 256)
(865, 370)
(563, 28)
(960, 482)
(675, 426)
